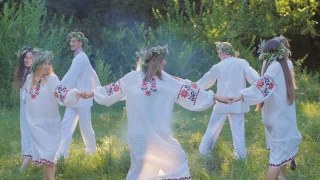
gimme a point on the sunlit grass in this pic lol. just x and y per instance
(112, 161)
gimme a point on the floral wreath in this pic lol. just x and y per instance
(222, 48)
(270, 56)
(156, 50)
(43, 56)
(24, 50)
(78, 35)
(27, 49)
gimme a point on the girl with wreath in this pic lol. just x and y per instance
(150, 96)
(43, 94)
(21, 72)
(274, 91)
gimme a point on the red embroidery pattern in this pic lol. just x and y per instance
(44, 161)
(265, 84)
(112, 88)
(61, 92)
(37, 90)
(187, 91)
(194, 86)
(283, 162)
(149, 87)
(181, 178)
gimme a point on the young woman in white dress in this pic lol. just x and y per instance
(283, 40)
(43, 94)
(20, 75)
(275, 91)
(150, 96)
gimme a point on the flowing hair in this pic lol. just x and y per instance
(273, 46)
(37, 75)
(20, 69)
(151, 64)
(283, 40)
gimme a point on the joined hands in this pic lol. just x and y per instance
(228, 100)
(85, 95)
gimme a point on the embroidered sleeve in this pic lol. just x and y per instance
(109, 94)
(66, 97)
(113, 88)
(189, 92)
(61, 92)
(194, 99)
(258, 92)
(266, 85)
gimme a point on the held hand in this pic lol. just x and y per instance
(222, 99)
(236, 99)
(80, 94)
(87, 95)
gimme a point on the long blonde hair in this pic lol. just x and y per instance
(37, 74)
(151, 64)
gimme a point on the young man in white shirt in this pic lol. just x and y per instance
(82, 76)
(231, 74)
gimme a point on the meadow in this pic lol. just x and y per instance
(112, 161)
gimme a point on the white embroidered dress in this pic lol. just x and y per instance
(278, 116)
(43, 116)
(26, 148)
(154, 153)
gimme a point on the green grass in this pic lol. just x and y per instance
(112, 162)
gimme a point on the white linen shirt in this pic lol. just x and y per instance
(82, 76)
(231, 74)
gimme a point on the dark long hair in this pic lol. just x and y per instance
(273, 46)
(20, 67)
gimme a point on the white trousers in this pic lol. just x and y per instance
(214, 128)
(26, 147)
(68, 125)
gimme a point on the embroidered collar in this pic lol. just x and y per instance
(77, 52)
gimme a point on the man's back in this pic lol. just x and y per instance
(231, 75)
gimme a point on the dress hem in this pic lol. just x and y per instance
(44, 161)
(180, 178)
(283, 162)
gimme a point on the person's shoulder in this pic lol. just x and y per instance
(52, 76)
(274, 67)
(132, 74)
(240, 60)
(81, 56)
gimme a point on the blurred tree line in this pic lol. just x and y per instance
(117, 29)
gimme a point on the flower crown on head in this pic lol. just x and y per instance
(43, 56)
(270, 56)
(220, 46)
(78, 35)
(24, 50)
(155, 51)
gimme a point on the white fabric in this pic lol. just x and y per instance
(69, 123)
(43, 117)
(278, 117)
(82, 76)
(268, 139)
(26, 148)
(213, 131)
(231, 74)
(154, 153)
